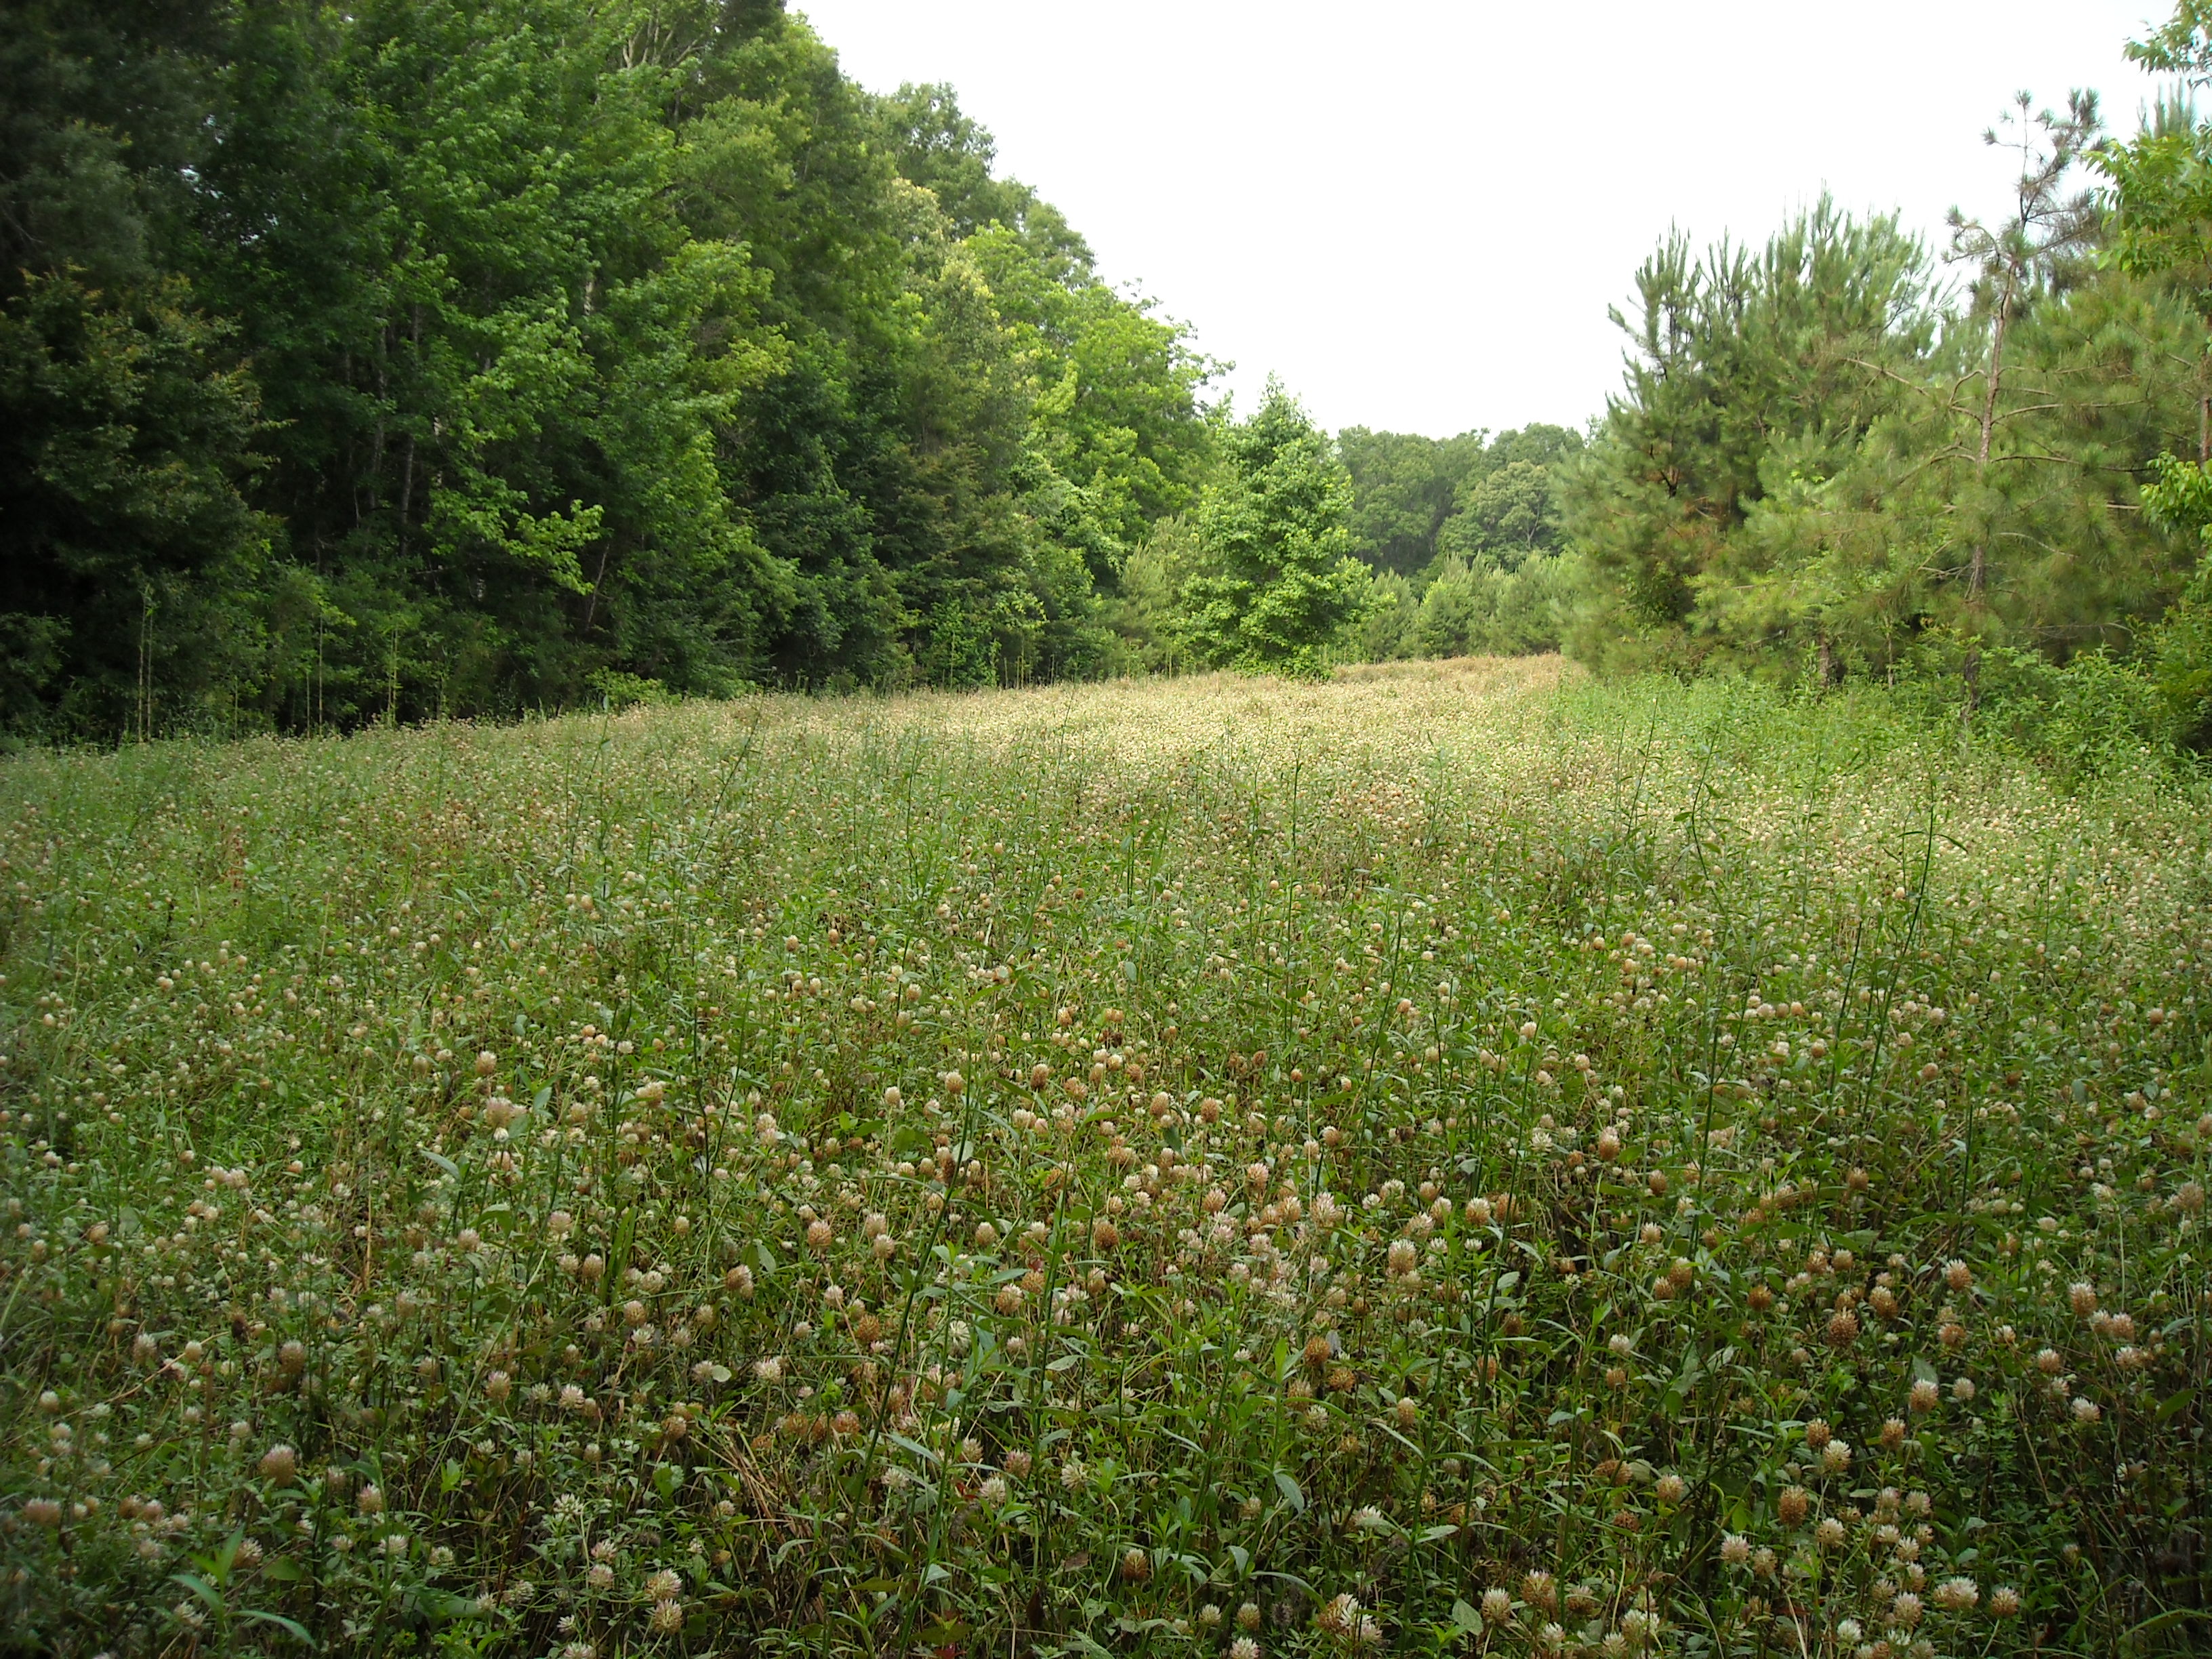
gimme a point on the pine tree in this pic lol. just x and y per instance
(2027, 254)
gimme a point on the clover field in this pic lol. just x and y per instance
(1454, 1160)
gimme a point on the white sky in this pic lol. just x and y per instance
(1416, 211)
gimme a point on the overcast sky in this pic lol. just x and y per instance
(1416, 212)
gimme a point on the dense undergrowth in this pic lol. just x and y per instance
(1445, 1161)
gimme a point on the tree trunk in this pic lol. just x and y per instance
(1977, 566)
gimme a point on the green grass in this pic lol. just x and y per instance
(1569, 1169)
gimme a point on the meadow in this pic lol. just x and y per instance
(1458, 1159)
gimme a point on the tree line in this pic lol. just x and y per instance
(438, 357)
(430, 358)
(1982, 470)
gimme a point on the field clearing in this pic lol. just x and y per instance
(1455, 1159)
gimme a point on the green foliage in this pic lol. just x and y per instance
(1824, 467)
(1386, 632)
(1507, 515)
(1146, 615)
(1818, 470)
(2092, 717)
(1466, 537)
(1507, 508)
(558, 339)
(2181, 648)
(134, 587)
(1475, 607)
(1118, 411)
(1277, 591)
(1402, 487)
(1741, 362)
(1414, 498)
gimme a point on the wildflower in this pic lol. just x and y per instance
(1829, 1533)
(1243, 1648)
(1905, 1611)
(2083, 1298)
(1957, 1594)
(369, 1500)
(1957, 1276)
(1497, 1606)
(1963, 1390)
(1136, 1565)
(1669, 1489)
(2004, 1602)
(994, 1489)
(1340, 1616)
(1735, 1549)
(2087, 1411)
(1072, 1475)
(1792, 1505)
(279, 1463)
(1924, 1396)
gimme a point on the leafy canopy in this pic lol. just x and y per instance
(1278, 588)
